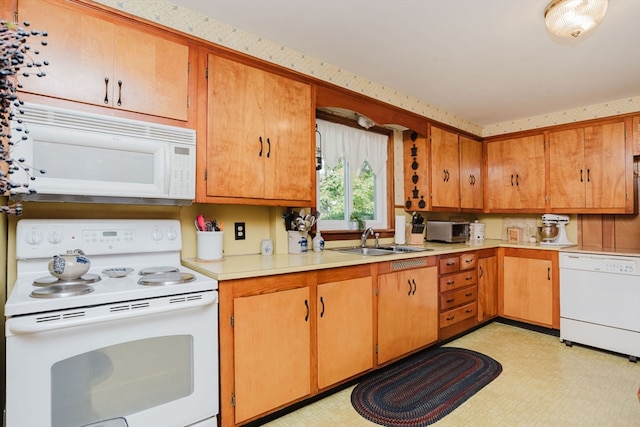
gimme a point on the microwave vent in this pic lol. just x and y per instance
(51, 116)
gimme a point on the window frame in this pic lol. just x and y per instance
(388, 230)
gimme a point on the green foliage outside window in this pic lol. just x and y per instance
(333, 196)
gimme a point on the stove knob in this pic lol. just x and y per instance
(157, 234)
(55, 237)
(34, 238)
(172, 234)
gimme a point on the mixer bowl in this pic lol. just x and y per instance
(548, 232)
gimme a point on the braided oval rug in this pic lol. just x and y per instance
(424, 388)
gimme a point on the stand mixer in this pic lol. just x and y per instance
(559, 221)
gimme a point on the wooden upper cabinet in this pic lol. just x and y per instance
(588, 169)
(97, 61)
(445, 169)
(416, 171)
(516, 174)
(471, 183)
(259, 137)
(635, 135)
(456, 172)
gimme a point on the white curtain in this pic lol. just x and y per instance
(354, 144)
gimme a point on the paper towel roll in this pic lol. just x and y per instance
(399, 238)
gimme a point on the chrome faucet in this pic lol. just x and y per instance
(365, 235)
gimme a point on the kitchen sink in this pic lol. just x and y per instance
(382, 250)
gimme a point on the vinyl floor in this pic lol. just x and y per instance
(543, 383)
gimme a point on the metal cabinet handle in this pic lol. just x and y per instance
(106, 90)
(119, 93)
(469, 310)
(468, 294)
(451, 282)
(581, 180)
(260, 153)
(517, 177)
(269, 146)
(451, 300)
(549, 273)
(414, 287)
(444, 175)
(322, 302)
(306, 304)
(512, 180)
(588, 175)
(451, 318)
(451, 262)
(481, 271)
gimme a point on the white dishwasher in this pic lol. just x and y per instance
(600, 302)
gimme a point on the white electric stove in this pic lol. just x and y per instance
(143, 348)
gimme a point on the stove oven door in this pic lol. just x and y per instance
(141, 363)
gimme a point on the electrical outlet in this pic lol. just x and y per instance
(240, 230)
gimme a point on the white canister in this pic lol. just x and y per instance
(297, 241)
(318, 242)
(209, 245)
(476, 231)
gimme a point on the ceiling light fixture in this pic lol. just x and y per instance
(571, 18)
(365, 122)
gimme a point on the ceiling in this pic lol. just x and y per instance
(487, 61)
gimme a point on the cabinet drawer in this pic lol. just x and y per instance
(456, 315)
(449, 265)
(459, 297)
(455, 281)
(468, 261)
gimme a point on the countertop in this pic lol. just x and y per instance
(247, 266)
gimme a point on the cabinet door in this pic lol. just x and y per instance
(487, 288)
(289, 156)
(516, 174)
(528, 290)
(79, 50)
(605, 159)
(471, 184)
(407, 311)
(272, 343)
(345, 330)
(151, 74)
(416, 171)
(445, 169)
(235, 146)
(567, 172)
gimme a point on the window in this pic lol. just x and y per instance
(353, 180)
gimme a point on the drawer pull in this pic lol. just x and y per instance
(451, 282)
(469, 310)
(451, 263)
(451, 318)
(468, 278)
(450, 300)
(468, 261)
(469, 294)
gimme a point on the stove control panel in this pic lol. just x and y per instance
(38, 238)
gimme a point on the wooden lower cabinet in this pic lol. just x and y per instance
(272, 343)
(345, 330)
(407, 307)
(284, 338)
(458, 291)
(528, 286)
(487, 285)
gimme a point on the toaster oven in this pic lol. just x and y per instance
(447, 231)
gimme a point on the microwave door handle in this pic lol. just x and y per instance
(30, 328)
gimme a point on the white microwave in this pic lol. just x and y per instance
(90, 157)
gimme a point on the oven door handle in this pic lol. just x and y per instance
(23, 326)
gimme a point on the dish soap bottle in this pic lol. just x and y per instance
(318, 242)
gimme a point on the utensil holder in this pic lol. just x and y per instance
(414, 238)
(209, 245)
(297, 242)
